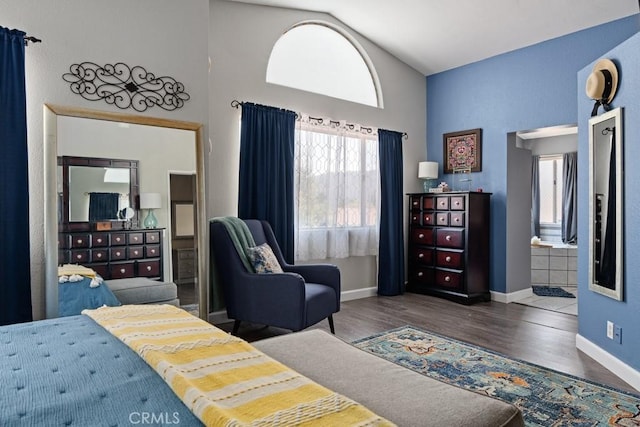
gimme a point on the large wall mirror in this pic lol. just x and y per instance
(606, 198)
(91, 152)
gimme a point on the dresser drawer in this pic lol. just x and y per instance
(135, 238)
(450, 259)
(118, 253)
(79, 256)
(414, 202)
(99, 255)
(450, 238)
(423, 275)
(121, 270)
(99, 240)
(135, 252)
(442, 203)
(428, 203)
(442, 219)
(422, 255)
(152, 237)
(415, 218)
(448, 279)
(118, 239)
(456, 219)
(428, 218)
(422, 236)
(78, 241)
(456, 203)
(101, 270)
(148, 268)
(152, 251)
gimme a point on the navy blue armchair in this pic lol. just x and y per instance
(301, 296)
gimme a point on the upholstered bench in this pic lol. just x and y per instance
(140, 290)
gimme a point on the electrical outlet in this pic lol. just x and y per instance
(617, 334)
(609, 329)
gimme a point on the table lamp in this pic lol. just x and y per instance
(429, 172)
(150, 201)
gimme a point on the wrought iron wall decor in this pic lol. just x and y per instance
(125, 86)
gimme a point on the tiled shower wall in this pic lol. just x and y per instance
(554, 266)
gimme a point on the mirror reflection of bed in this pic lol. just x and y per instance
(157, 156)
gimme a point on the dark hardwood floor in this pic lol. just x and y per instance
(539, 336)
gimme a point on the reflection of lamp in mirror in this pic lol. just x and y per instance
(150, 201)
(429, 172)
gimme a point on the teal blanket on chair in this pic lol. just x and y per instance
(241, 237)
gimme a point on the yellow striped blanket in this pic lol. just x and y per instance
(223, 379)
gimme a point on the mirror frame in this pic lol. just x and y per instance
(50, 114)
(594, 122)
(66, 161)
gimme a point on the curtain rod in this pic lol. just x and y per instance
(237, 104)
(31, 39)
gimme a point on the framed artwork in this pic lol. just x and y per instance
(183, 220)
(462, 150)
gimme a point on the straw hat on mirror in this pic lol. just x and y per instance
(602, 84)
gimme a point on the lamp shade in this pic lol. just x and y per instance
(428, 170)
(150, 201)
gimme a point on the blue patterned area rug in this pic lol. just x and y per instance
(545, 397)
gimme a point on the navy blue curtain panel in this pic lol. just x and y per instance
(267, 143)
(15, 275)
(391, 250)
(570, 197)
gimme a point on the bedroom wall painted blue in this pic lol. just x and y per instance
(528, 88)
(596, 309)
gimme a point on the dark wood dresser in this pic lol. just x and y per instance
(448, 249)
(115, 254)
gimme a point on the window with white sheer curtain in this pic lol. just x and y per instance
(337, 190)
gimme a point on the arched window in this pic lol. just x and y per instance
(322, 58)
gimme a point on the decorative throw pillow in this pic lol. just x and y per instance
(264, 260)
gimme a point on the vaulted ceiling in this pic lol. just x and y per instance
(437, 35)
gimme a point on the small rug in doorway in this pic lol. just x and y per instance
(545, 397)
(551, 291)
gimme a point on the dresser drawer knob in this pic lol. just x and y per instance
(447, 279)
(135, 238)
(135, 252)
(99, 240)
(99, 255)
(117, 239)
(420, 274)
(420, 255)
(148, 268)
(78, 256)
(457, 203)
(420, 236)
(153, 251)
(427, 218)
(448, 259)
(152, 238)
(79, 241)
(447, 238)
(457, 220)
(118, 253)
(122, 270)
(414, 218)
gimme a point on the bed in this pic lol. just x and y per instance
(72, 371)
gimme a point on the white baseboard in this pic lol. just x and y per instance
(511, 296)
(612, 363)
(358, 293)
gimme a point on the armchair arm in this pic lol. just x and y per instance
(324, 274)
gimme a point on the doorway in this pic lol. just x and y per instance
(184, 257)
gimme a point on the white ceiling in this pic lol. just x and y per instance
(437, 35)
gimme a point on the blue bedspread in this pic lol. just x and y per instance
(73, 297)
(71, 372)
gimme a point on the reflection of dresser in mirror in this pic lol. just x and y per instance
(92, 231)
